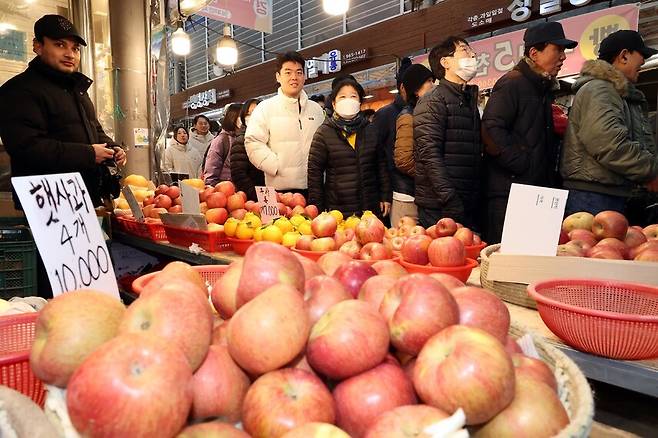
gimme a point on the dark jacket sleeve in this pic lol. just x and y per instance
(318, 158)
(24, 130)
(240, 168)
(498, 136)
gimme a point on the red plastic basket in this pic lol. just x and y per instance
(210, 274)
(211, 241)
(146, 230)
(312, 255)
(607, 318)
(15, 344)
(240, 246)
(459, 272)
(473, 251)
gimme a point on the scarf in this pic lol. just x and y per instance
(349, 127)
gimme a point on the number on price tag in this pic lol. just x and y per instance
(269, 210)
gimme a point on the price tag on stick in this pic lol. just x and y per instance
(190, 199)
(269, 210)
(65, 228)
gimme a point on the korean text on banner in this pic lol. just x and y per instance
(252, 14)
(67, 233)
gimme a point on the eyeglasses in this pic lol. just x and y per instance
(464, 49)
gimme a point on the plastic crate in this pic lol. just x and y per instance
(18, 263)
(15, 344)
(146, 230)
(209, 273)
(211, 241)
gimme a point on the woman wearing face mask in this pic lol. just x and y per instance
(179, 157)
(417, 80)
(217, 160)
(245, 175)
(346, 169)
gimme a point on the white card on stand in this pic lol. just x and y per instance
(190, 199)
(269, 210)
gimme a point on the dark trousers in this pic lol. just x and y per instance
(593, 202)
(494, 219)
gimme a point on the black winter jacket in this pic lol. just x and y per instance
(347, 179)
(517, 131)
(448, 151)
(384, 122)
(244, 175)
(48, 125)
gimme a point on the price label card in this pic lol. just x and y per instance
(190, 199)
(267, 200)
(132, 203)
(533, 220)
(182, 220)
(65, 228)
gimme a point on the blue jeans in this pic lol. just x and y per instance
(593, 202)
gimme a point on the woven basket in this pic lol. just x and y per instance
(573, 389)
(515, 293)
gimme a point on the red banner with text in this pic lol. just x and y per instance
(252, 14)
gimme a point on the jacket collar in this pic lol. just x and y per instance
(178, 145)
(541, 79)
(599, 69)
(301, 100)
(399, 102)
(459, 89)
(76, 81)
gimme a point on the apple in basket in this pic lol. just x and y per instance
(370, 229)
(374, 289)
(332, 260)
(447, 252)
(353, 274)
(375, 251)
(224, 293)
(415, 249)
(324, 225)
(323, 244)
(162, 201)
(581, 220)
(446, 227)
(534, 368)
(634, 238)
(405, 421)
(389, 267)
(351, 248)
(584, 235)
(321, 293)
(482, 309)
(212, 429)
(316, 430)
(226, 187)
(610, 224)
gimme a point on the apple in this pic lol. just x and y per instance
(342, 236)
(432, 232)
(316, 430)
(408, 221)
(178, 275)
(298, 200)
(218, 387)
(161, 189)
(375, 251)
(220, 334)
(156, 212)
(511, 346)
(235, 202)
(133, 385)
(584, 235)
(348, 327)
(311, 211)
(475, 359)
(414, 249)
(304, 242)
(447, 280)
(416, 308)
(239, 214)
(610, 224)
(477, 240)
(465, 235)
(446, 227)
(616, 244)
(391, 232)
(267, 264)
(604, 252)
(311, 268)
(298, 209)
(651, 231)
(417, 230)
(389, 267)
(353, 274)
(324, 225)
(173, 192)
(288, 212)
(321, 293)
(564, 237)
(533, 368)
(183, 320)
(214, 429)
(581, 220)
(203, 194)
(648, 255)
(216, 215)
(175, 209)
(634, 238)
(482, 309)
(226, 187)
(203, 207)
(254, 208)
(68, 329)
(285, 399)
(447, 251)
(286, 198)
(162, 201)
(282, 208)
(332, 260)
(405, 421)
(649, 244)
(370, 229)
(374, 289)
(216, 200)
(404, 230)
(571, 249)
(243, 195)
(397, 243)
(362, 398)
(323, 244)
(224, 293)
(149, 200)
(535, 411)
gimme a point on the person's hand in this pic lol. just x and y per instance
(385, 207)
(652, 186)
(120, 156)
(102, 152)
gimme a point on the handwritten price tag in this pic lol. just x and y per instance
(190, 199)
(132, 203)
(269, 210)
(67, 233)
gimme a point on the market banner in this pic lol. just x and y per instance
(498, 55)
(252, 14)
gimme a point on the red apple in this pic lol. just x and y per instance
(648, 255)
(298, 209)
(311, 268)
(389, 267)
(282, 400)
(298, 200)
(397, 243)
(342, 236)
(604, 252)
(414, 249)
(203, 194)
(353, 274)
(375, 251)
(465, 235)
(239, 214)
(235, 202)
(255, 208)
(321, 293)
(534, 368)
(288, 212)
(370, 229)
(391, 232)
(446, 227)
(316, 430)
(332, 260)
(417, 230)
(286, 198)
(173, 192)
(571, 250)
(476, 360)
(416, 308)
(584, 235)
(212, 429)
(282, 208)
(243, 195)
(581, 220)
(511, 346)
(304, 242)
(432, 232)
(405, 421)
(176, 209)
(324, 225)
(351, 248)
(447, 280)
(216, 215)
(482, 309)
(162, 201)
(224, 293)
(149, 200)
(362, 398)
(348, 327)
(610, 224)
(616, 244)
(156, 212)
(404, 230)
(447, 251)
(133, 385)
(374, 289)
(311, 211)
(323, 244)
(216, 200)
(226, 187)
(161, 189)
(649, 244)
(408, 221)
(634, 238)
(651, 232)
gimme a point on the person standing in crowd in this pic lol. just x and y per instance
(200, 135)
(281, 128)
(245, 175)
(217, 161)
(417, 81)
(609, 149)
(179, 157)
(517, 125)
(447, 134)
(346, 171)
(319, 99)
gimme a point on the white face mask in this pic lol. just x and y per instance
(348, 108)
(467, 69)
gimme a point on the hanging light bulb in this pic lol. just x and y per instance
(227, 51)
(180, 42)
(336, 7)
(189, 7)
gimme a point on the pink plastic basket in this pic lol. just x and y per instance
(209, 273)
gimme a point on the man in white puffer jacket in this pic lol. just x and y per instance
(281, 129)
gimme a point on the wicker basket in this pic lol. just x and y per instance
(573, 389)
(515, 293)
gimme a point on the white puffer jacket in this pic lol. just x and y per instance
(279, 136)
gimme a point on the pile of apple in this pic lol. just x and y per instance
(298, 352)
(607, 236)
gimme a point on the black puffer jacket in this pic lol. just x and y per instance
(244, 175)
(384, 122)
(448, 151)
(48, 125)
(347, 179)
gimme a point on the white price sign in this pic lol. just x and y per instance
(67, 233)
(269, 210)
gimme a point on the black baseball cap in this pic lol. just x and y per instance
(547, 32)
(625, 39)
(56, 27)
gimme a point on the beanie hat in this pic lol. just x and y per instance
(414, 78)
(404, 65)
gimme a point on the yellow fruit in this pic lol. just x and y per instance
(305, 229)
(135, 180)
(272, 233)
(297, 219)
(254, 219)
(290, 239)
(258, 234)
(121, 204)
(352, 222)
(284, 224)
(215, 227)
(367, 213)
(230, 226)
(244, 231)
(337, 215)
(194, 182)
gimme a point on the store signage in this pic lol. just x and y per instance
(67, 232)
(521, 11)
(355, 56)
(252, 14)
(205, 98)
(269, 210)
(539, 236)
(328, 63)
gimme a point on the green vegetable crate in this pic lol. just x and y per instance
(18, 262)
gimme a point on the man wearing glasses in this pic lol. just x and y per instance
(447, 136)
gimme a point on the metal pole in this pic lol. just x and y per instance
(81, 17)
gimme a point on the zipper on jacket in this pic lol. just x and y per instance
(299, 117)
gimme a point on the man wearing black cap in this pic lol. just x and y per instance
(608, 149)
(48, 122)
(517, 124)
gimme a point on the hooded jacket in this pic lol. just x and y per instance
(181, 158)
(278, 139)
(608, 147)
